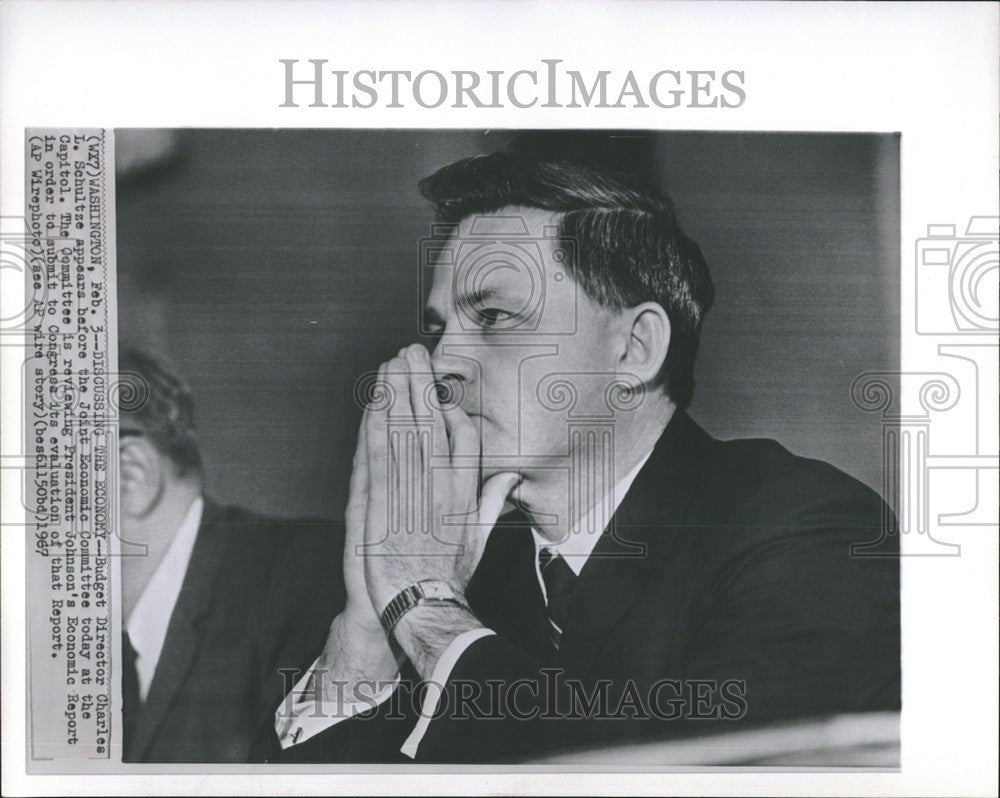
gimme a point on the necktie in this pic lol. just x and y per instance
(131, 703)
(558, 578)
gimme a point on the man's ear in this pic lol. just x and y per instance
(142, 475)
(646, 333)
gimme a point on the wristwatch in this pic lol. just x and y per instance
(427, 591)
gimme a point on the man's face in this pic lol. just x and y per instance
(525, 349)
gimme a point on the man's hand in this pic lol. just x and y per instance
(357, 647)
(427, 517)
(359, 606)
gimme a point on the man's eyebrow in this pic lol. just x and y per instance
(470, 299)
(473, 298)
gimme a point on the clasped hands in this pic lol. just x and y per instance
(416, 511)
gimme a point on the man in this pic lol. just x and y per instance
(211, 609)
(651, 581)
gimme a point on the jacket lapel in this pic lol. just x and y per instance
(639, 536)
(184, 635)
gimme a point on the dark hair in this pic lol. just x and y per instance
(155, 403)
(629, 246)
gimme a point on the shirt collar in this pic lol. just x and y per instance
(147, 624)
(584, 534)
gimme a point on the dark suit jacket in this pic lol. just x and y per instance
(242, 614)
(724, 594)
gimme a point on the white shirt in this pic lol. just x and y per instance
(578, 545)
(148, 622)
(302, 723)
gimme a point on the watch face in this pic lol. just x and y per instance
(437, 590)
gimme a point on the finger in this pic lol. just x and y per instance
(396, 374)
(404, 461)
(358, 493)
(491, 501)
(463, 435)
(375, 420)
(463, 438)
(376, 447)
(421, 383)
(359, 466)
(423, 399)
(494, 493)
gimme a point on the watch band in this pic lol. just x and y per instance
(427, 591)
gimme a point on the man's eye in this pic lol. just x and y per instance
(491, 317)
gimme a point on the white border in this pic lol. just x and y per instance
(929, 71)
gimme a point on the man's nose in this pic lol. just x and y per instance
(448, 368)
(452, 372)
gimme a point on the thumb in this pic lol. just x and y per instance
(494, 493)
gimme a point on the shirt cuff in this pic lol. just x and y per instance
(435, 688)
(300, 717)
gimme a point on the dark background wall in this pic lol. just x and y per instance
(272, 268)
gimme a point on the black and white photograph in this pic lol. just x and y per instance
(499, 398)
(519, 446)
